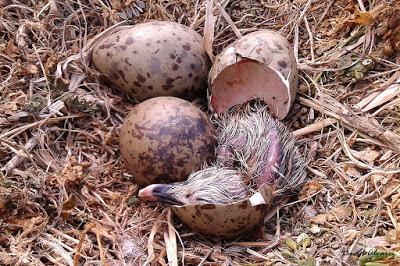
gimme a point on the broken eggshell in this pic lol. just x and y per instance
(228, 221)
(156, 58)
(259, 65)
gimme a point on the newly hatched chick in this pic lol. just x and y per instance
(215, 184)
(253, 149)
(261, 146)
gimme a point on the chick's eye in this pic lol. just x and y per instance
(187, 196)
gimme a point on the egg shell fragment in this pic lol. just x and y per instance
(227, 221)
(150, 59)
(261, 65)
(164, 139)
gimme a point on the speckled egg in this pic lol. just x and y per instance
(164, 139)
(259, 65)
(151, 59)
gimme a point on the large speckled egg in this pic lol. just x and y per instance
(164, 139)
(259, 65)
(151, 59)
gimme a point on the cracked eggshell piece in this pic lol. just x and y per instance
(156, 58)
(227, 221)
(260, 65)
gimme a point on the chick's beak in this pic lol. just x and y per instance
(159, 192)
(147, 193)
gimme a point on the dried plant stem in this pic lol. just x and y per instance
(170, 240)
(102, 255)
(81, 239)
(228, 19)
(310, 38)
(314, 127)
(20, 156)
(368, 126)
(15, 132)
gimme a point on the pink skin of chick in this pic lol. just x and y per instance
(273, 159)
(158, 193)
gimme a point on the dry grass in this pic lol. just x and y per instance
(65, 198)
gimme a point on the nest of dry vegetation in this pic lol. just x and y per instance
(66, 199)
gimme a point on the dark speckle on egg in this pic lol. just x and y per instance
(140, 78)
(129, 41)
(106, 45)
(167, 87)
(186, 46)
(282, 64)
(127, 61)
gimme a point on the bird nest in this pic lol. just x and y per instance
(66, 199)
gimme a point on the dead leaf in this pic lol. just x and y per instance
(310, 189)
(338, 213)
(390, 186)
(65, 215)
(26, 223)
(393, 236)
(363, 18)
(69, 204)
(379, 179)
(351, 171)
(368, 155)
(28, 70)
(319, 219)
(378, 241)
(11, 50)
(51, 63)
(388, 94)
(351, 234)
(117, 5)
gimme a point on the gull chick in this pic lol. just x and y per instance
(215, 185)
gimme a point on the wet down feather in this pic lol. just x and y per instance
(253, 149)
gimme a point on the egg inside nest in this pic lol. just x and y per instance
(154, 58)
(164, 139)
